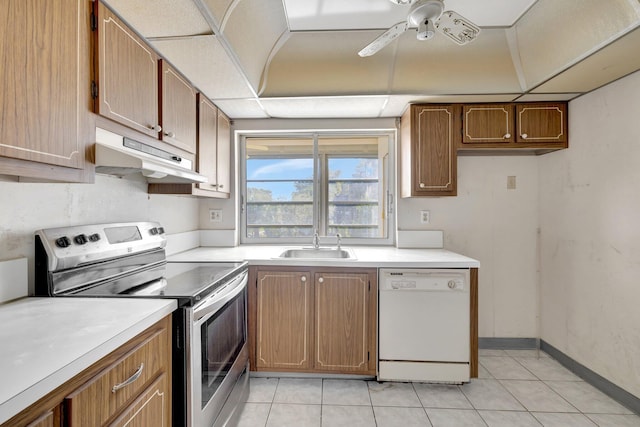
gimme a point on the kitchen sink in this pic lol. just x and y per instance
(318, 253)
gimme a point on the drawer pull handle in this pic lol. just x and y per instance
(128, 381)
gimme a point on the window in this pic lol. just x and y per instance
(294, 185)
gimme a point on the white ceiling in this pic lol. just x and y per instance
(298, 58)
(314, 15)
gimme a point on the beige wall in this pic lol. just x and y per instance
(26, 207)
(590, 241)
(496, 226)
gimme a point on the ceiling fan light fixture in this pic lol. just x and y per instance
(401, 1)
(426, 30)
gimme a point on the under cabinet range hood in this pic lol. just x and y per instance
(121, 156)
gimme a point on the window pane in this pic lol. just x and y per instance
(282, 175)
(354, 192)
(274, 213)
(279, 183)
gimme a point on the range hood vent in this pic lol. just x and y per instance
(121, 156)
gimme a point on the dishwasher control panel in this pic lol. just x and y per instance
(423, 279)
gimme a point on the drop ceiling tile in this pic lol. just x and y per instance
(241, 108)
(217, 8)
(204, 61)
(327, 63)
(253, 30)
(305, 15)
(554, 35)
(604, 66)
(325, 107)
(539, 97)
(161, 18)
(441, 67)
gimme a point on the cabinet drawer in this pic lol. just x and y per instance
(152, 408)
(110, 392)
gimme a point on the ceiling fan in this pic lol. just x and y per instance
(427, 16)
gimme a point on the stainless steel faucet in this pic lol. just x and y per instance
(316, 240)
(339, 237)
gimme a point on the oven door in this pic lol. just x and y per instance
(219, 355)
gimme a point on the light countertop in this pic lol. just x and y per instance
(365, 256)
(45, 342)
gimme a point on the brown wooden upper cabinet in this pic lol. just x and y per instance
(223, 153)
(541, 123)
(484, 123)
(45, 123)
(430, 135)
(178, 109)
(135, 88)
(213, 155)
(214, 148)
(127, 75)
(527, 127)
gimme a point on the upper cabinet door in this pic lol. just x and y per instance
(430, 136)
(127, 76)
(207, 143)
(44, 82)
(484, 123)
(539, 123)
(224, 153)
(178, 113)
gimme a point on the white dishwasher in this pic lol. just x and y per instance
(424, 328)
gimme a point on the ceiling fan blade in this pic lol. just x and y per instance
(384, 39)
(457, 27)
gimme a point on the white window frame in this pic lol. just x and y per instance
(388, 199)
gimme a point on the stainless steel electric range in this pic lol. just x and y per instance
(210, 352)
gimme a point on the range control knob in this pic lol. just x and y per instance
(153, 231)
(80, 239)
(160, 230)
(451, 284)
(94, 237)
(63, 242)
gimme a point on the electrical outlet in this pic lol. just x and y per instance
(511, 182)
(215, 215)
(425, 217)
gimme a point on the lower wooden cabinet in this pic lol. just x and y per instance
(284, 320)
(149, 409)
(129, 387)
(313, 319)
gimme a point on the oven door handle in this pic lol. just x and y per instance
(212, 304)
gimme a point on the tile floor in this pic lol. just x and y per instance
(515, 388)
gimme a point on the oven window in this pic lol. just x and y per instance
(223, 337)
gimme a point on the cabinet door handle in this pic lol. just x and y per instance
(128, 381)
(507, 136)
(321, 280)
(303, 279)
(157, 128)
(221, 186)
(524, 136)
(422, 185)
(170, 134)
